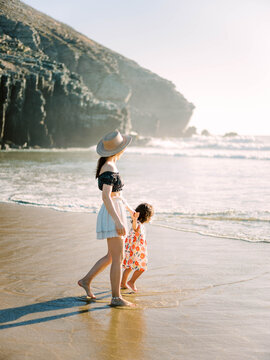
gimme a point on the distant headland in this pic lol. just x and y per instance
(60, 89)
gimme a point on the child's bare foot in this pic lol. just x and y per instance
(124, 286)
(132, 286)
(118, 301)
(86, 288)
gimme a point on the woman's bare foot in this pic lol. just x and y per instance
(132, 286)
(118, 301)
(86, 288)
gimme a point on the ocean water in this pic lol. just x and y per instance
(214, 185)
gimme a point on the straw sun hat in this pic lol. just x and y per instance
(113, 143)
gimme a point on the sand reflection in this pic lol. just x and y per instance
(119, 336)
(124, 336)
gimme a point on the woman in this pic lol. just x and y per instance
(112, 219)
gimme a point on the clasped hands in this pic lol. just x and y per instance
(121, 231)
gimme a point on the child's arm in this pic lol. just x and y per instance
(135, 224)
(130, 210)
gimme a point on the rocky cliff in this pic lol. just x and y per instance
(59, 88)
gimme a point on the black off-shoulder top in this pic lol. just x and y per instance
(110, 178)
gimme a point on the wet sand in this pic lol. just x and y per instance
(202, 298)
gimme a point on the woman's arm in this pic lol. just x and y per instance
(106, 197)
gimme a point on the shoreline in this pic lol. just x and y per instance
(198, 232)
(208, 296)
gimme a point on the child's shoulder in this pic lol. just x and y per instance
(140, 228)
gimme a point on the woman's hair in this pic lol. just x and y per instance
(146, 212)
(100, 163)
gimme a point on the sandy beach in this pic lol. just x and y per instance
(202, 298)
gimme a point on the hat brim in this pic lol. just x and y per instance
(105, 153)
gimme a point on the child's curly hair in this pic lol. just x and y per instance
(146, 212)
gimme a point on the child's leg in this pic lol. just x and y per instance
(124, 278)
(131, 282)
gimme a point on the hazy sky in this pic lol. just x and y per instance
(216, 52)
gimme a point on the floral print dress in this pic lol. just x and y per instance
(136, 249)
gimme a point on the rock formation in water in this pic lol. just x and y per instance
(59, 88)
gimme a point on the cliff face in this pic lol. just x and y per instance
(59, 88)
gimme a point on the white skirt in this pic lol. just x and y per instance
(105, 225)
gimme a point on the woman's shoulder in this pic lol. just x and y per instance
(108, 169)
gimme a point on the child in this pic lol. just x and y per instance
(136, 246)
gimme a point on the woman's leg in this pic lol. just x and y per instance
(116, 248)
(131, 282)
(124, 278)
(99, 266)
